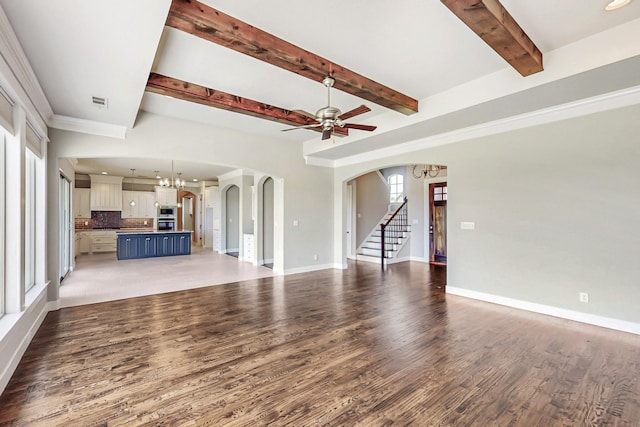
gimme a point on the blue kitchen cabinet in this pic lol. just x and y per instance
(182, 244)
(153, 244)
(127, 247)
(166, 245)
(148, 246)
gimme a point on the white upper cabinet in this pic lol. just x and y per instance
(106, 193)
(144, 204)
(167, 196)
(81, 203)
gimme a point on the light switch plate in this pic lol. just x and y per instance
(295, 222)
(467, 225)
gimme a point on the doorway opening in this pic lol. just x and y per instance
(186, 214)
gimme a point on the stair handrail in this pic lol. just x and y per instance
(384, 225)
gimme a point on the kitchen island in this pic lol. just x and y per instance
(149, 244)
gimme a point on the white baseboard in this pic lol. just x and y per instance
(398, 259)
(591, 319)
(308, 269)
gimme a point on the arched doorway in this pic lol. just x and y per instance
(186, 213)
(267, 222)
(232, 223)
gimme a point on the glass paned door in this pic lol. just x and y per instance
(65, 227)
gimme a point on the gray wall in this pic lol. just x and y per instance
(414, 190)
(247, 204)
(372, 202)
(555, 208)
(267, 220)
(233, 218)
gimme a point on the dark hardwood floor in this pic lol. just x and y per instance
(355, 347)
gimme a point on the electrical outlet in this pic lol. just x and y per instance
(86, 223)
(315, 257)
(584, 297)
(145, 223)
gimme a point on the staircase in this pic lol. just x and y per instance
(396, 234)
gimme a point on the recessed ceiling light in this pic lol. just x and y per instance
(616, 4)
(195, 179)
(103, 173)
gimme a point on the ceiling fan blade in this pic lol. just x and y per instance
(355, 112)
(368, 128)
(301, 127)
(326, 134)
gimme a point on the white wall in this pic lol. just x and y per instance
(554, 207)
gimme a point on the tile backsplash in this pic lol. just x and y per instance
(111, 219)
(105, 219)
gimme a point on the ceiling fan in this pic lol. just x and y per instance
(329, 117)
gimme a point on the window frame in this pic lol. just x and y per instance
(30, 219)
(396, 182)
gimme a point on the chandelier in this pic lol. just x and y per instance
(426, 171)
(178, 183)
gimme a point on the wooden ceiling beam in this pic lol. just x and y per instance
(491, 21)
(191, 92)
(210, 24)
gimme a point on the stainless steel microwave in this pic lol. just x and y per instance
(166, 211)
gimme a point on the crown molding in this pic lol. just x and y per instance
(87, 126)
(22, 81)
(596, 104)
(236, 173)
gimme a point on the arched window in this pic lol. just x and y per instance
(396, 188)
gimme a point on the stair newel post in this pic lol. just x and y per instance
(382, 229)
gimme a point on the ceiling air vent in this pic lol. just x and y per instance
(99, 102)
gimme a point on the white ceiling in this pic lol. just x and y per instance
(80, 49)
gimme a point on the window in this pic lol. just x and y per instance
(30, 222)
(440, 194)
(396, 188)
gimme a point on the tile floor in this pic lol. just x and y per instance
(101, 277)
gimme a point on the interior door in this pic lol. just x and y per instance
(65, 226)
(438, 222)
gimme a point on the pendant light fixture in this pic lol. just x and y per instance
(132, 203)
(180, 186)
